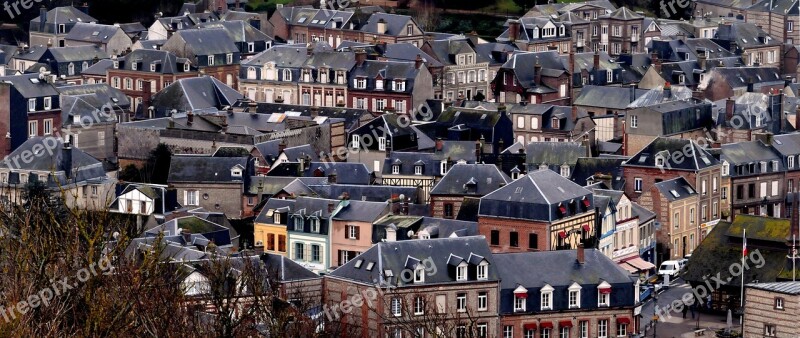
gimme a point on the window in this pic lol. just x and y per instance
(417, 170)
(583, 329)
(634, 121)
(361, 83)
(381, 143)
(514, 239)
(419, 275)
(483, 271)
(298, 223)
(519, 304)
(789, 26)
(494, 237)
(533, 241)
(574, 296)
(691, 215)
(62, 28)
(33, 128)
(545, 333)
(778, 303)
(461, 302)
(48, 103)
(547, 298)
(774, 166)
(791, 162)
(315, 225)
(185, 67)
(602, 299)
(774, 188)
(622, 330)
(483, 330)
(31, 104)
(461, 272)
(563, 332)
(508, 331)
(299, 251)
(353, 232)
(315, 253)
(724, 193)
(602, 328)
(48, 126)
(419, 306)
(483, 301)
(211, 60)
(520, 122)
(443, 167)
(637, 184)
(395, 169)
(769, 330)
(410, 30)
(355, 141)
(703, 187)
(609, 76)
(448, 210)
(397, 304)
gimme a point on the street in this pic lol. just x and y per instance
(672, 324)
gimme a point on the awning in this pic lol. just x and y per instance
(530, 326)
(565, 323)
(586, 202)
(640, 264)
(605, 290)
(562, 234)
(521, 295)
(623, 320)
(546, 325)
(562, 209)
(628, 267)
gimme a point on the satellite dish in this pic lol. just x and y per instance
(410, 233)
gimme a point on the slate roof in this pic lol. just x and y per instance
(676, 189)
(82, 167)
(552, 66)
(470, 180)
(167, 63)
(737, 77)
(780, 7)
(285, 269)
(496, 53)
(29, 85)
(698, 158)
(331, 60)
(597, 168)
(396, 257)
(301, 151)
(787, 144)
(209, 41)
(743, 153)
(373, 193)
(196, 94)
(409, 52)
(94, 33)
(346, 172)
(469, 209)
(351, 116)
(532, 196)
(446, 50)
(745, 35)
(608, 97)
(553, 153)
(239, 31)
(623, 13)
(33, 53)
(447, 228)
(361, 211)
(388, 70)
(205, 169)
(63, 15)
(77, 53)
(395, 24)
(535, 269)
(100, 68)
(274, 204)
(658, 95)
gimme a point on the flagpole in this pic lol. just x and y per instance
(741, 297)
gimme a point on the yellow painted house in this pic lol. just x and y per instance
(269, 230)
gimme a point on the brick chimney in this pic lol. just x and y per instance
(281, 146)
(729, 107)
(574, 114)
(537, 76)
(513, 29)
(596, 60)
(189, 118)
(418, 62)
(361, 56)
(581, 255)
(439, 144)
(656, 61)
(330, 207)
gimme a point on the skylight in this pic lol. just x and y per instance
(370, 265)
(674, 193)
(301, 20)
(358, 263)
(315, 21)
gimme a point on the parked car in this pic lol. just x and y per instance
(670, 268)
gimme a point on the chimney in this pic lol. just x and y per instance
(478, 150)
(596, 60)
(236, 5)
(656, 61)
(381, 29)
(171, 123)
(668, 90)
(730, 104)
(750, 85)
(633, 92)
(314, 111)
(537, 76)
(574, 114)
(190, 118)
(281, 146)
(330, 207)
(147, 95)
(513, 29)
(66, 157)
(581, 255)
(439, 144)
(361, 56)
(701, 60)
(42, 17)
(405, 207)
(418, 62)
(698, 95)
(332, 178)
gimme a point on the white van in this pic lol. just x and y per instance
(670, 268)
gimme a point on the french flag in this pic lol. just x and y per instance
(744, 243)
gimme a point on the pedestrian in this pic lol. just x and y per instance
(691, 308)
(685, 310)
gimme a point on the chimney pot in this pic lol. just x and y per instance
(581, 255)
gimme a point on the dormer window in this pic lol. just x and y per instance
(186, 67)
(562, 31)
(726, 168)
(419, 274)
(418, 169)
(399, 86)
(287, 75)
(774, 166)
(461, 272)
(395, 169)
(763, 167)
(236, 172)
(315, 225)
(115, 64)
(565, 170)
(251, 47)
(556, 123)
(361, 83)
(520, 299)
(659, 161)
(298, 223)
(211, 60)
(603, 294)
(483, 271)
(443, 167)
(229, 59)
(547, 297)
(153, 67)
(574, 296)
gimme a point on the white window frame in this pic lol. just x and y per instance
(634, 121)
(381, 143)
(520, 304)
(546, 298)
(31, 104)
(48, 103)
(483, 301)
(602, 328)
(637, 184)
(483, 271)
(461, 272)
(210, 60)
(397, 307)
(461, 302)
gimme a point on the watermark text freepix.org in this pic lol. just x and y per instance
(18, 6)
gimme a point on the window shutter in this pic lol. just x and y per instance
(374, 104)
(355, 102)
(358, 232)
(186, 197)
